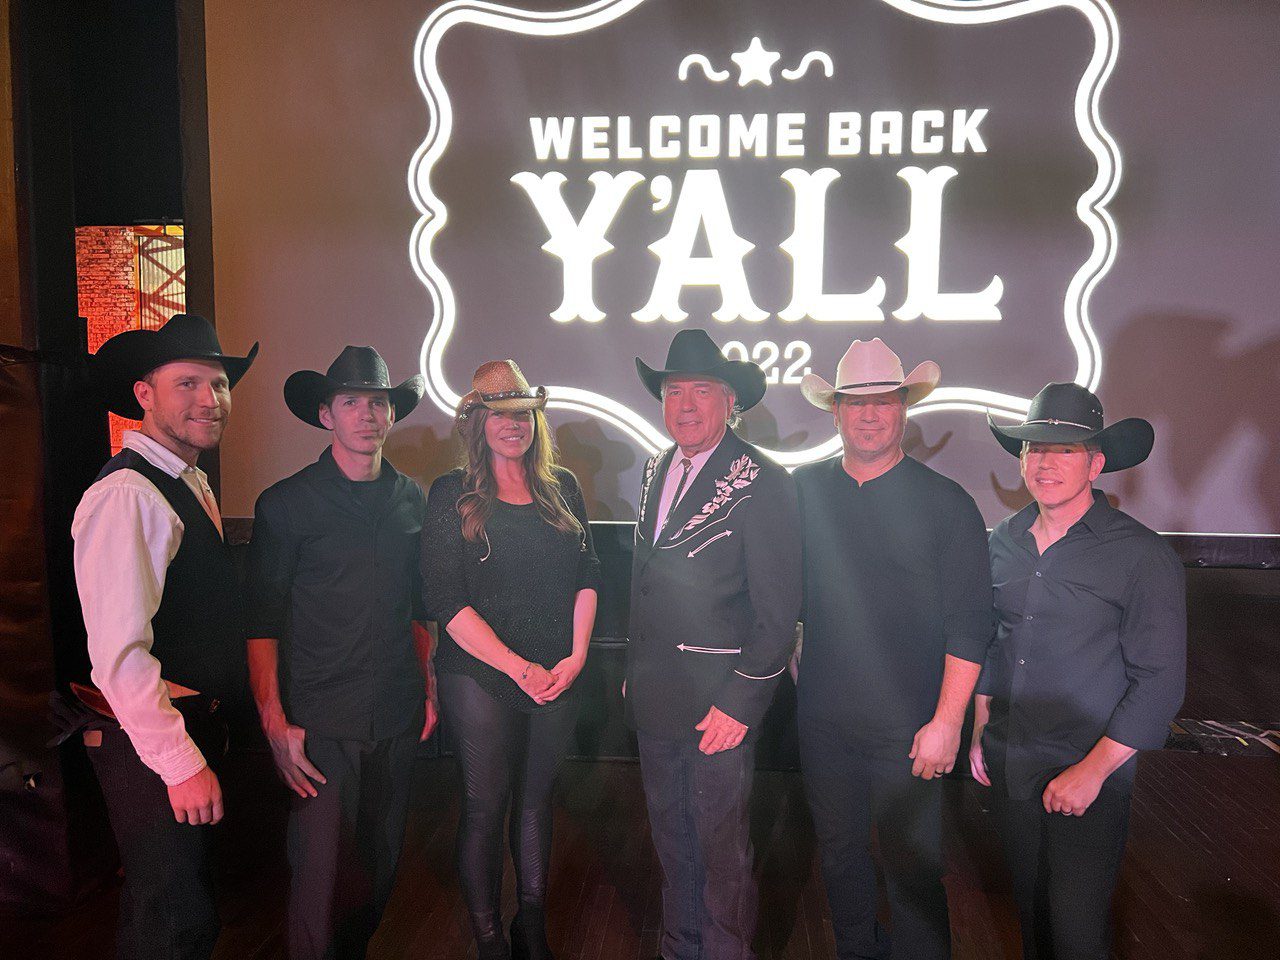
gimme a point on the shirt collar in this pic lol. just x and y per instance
(1096, 519)
(698, 459)
(158, 455)
(328, 467)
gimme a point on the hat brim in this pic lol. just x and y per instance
(305, 390)
(473, 400)
(128, 357)
(1124, 444)
(919, 384)
(745, 378)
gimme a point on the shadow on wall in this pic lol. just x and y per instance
(422, 453)
(1216, 401)
(599, 464)
(760, 427)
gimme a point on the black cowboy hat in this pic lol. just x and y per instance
(693, 353)
(128, 357)
(1068, 413)
(357, 368)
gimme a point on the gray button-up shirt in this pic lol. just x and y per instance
(1091, 642)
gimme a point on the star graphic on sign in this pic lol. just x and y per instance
(755, 63)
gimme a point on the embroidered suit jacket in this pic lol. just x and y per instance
(715, 594)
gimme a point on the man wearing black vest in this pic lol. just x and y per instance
(162, 616)
(338, 673)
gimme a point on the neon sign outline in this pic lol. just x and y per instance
(1090, 207)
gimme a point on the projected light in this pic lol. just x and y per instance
(699, 206)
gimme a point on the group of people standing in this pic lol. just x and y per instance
(1066, 628)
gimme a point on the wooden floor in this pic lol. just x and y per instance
(1201, 877)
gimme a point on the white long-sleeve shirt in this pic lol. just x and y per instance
(126, 534)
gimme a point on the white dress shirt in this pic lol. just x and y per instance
(672, 480)
(126, 534)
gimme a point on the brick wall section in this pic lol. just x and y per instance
(106, 274)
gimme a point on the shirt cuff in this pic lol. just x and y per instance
(178, 764)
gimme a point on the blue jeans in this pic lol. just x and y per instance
(698, 816)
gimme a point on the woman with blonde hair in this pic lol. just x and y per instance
(510, 576)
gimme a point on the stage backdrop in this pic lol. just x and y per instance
(1021, 190)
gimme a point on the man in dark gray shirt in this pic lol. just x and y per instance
(1088, 667)
(340, 674)
(897, 619)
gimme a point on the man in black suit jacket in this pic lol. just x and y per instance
(715, 593)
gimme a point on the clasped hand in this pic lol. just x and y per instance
(543, 685)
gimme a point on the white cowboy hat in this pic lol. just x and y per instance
(871, 367)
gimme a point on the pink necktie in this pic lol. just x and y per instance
(684, 477)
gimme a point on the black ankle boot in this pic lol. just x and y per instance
(490, 943)
(529, 933)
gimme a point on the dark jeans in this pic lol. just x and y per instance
(698, 816)
(852, 786)
(344, 843)
(508, 758)
(1064, 872)
(167, 910)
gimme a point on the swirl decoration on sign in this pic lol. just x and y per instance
(700, 60)
(809, 59)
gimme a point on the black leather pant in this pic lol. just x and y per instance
(509, 758)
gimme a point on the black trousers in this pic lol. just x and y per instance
(853, 785)
(509, 759)
(1064, 871)
(344, 843)
(167, 909)
(698, 816)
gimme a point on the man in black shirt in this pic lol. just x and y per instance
(897, 619)
(338, 671)
(1087, 668)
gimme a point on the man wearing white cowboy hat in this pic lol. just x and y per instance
(1087, 668)
(897, 619)
(164, 627)
(715, 591)
(339, 672)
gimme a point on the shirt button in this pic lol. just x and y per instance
(1031, 616)
(1022, 663)
(1038, 573)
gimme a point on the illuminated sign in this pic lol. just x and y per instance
(794, 176)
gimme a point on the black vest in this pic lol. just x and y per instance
(199, 632)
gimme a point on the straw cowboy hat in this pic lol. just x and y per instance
(871, 367)
(128, 357)
(500, 385)
(1068, 413)
(693, 353)
(357, 368)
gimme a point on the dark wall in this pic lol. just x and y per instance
(125, 112)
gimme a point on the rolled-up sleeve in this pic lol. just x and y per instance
(272, 561)
(1153, 642)
(968, 618)
(444, 586)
